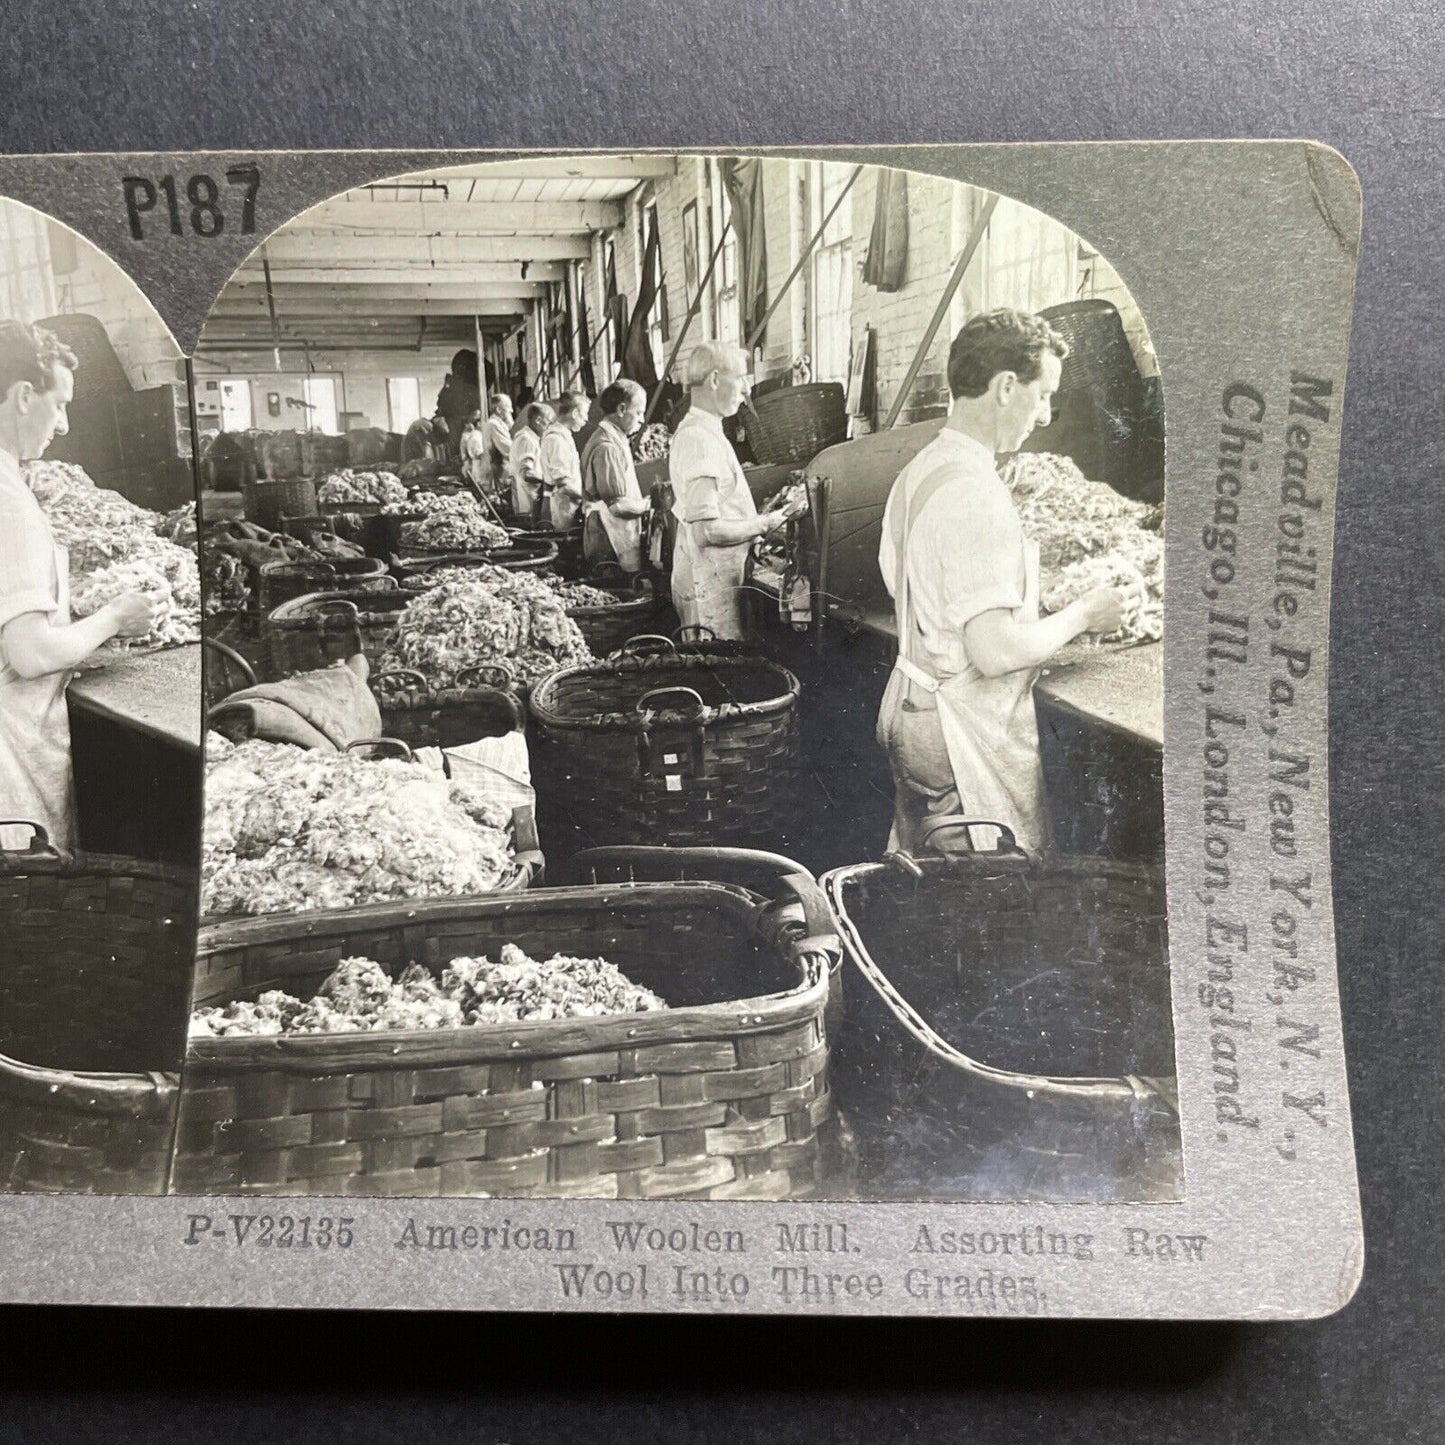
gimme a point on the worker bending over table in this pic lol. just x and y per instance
(958, 718)
(40, 646)
(561, 466)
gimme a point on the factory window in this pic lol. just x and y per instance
(1031, 261)
(403, 401)
(27, 287)
(320, 393)
(831, 312)
(727, 299)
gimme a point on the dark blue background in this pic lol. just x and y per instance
(1369, 79)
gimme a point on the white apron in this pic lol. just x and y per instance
(37, 783)
(707, 585)
(624, 534)
(989, 725)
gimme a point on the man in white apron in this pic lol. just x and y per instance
(614, 504)
(525, 461)
(717, 519)
(497, 439)
(958, 717)
(39, 645)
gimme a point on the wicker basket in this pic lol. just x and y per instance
(790, 426)
(658, 747)
(1020, 1006)
(607, 628)
(320, 628)
(570, 562)
(267, 502)
(284, 581)
(719, 1097)
(523, 555)
(223, 671)
(96, 954)
(426, 717)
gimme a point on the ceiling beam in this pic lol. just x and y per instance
(467, 218)
(253, 293)
(299, 249)
(360, 307)
(314, 273)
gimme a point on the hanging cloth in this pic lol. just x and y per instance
(584, 345)
(888, 244)
(743, 180)
(637, 362)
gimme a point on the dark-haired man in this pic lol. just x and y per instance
(39, 645)
(958, 716)
(614, 503)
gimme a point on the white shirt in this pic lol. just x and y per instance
(707, 479)
(525, 455)
(967, 554)
(497, 435)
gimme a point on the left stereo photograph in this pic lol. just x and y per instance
(100, 717)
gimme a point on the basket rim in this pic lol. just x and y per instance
(148, 1095)
(358, 566)
(429, 557)
(289, 612)
(112, 865)
(479, 1043)
(547, 714)
(1047, 861)
(632, 602)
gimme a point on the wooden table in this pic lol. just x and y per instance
(135, 731)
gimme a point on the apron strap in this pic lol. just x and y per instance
(904, 521)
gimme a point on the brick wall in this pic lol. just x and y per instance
(99, 288)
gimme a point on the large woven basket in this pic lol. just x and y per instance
(720, 1096)
(569, 562)
(607, 628)
(790, 426)
(282, 581)
(664, 748)
(267, 502)
(1018, 1007)
(320, 628)
(96, 955)
(423, 716)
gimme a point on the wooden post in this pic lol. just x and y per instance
(808, 250)
(692, 311)
(974, 240)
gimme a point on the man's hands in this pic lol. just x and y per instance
(133, 613)
(1103, 609)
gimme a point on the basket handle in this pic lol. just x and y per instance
(39, 838)
(499, 674)
(214, 644)
(950, 822)
(703, 631)
(396, 745)
(399, 676)
(630, 646)
(675, 691)
(340, 605)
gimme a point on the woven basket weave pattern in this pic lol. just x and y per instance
(727, 776)
(97, 957)
(708, 1100)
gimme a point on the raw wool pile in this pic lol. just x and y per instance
(360, 486)
(652, 444)
(116, 546)
(579, 594)
(173, 582)
(478, 615)
(1090, 536)
(179, 526)
(96, 525)
(452, 524)
(360, 997)
(289, 830)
